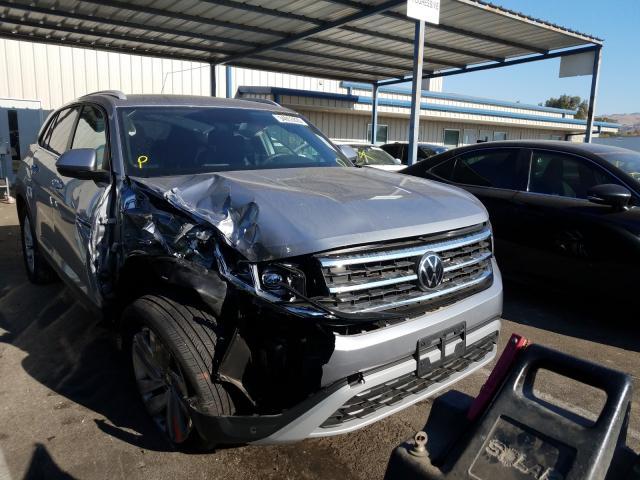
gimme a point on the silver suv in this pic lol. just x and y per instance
(267, 289)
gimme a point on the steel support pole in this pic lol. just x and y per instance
(416, 91)
(597, 54)
(374, 115)
(212, 78)
(228, 80)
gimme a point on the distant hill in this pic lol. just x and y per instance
(630, 122)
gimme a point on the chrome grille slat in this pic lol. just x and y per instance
(407, 252)
(385, 278)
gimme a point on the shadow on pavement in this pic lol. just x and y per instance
(576, 314)
(70, 351)
(43, 467)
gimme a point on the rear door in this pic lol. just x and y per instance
(565, 237)
(494, 176)
(46, 178)
(81, 204)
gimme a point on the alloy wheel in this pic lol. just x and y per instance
(162, 385)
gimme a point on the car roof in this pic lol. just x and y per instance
(571, 147)
(420, 144)
(117, 100)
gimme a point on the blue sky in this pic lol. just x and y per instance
(615, 21)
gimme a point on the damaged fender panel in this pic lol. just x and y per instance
(170, 248)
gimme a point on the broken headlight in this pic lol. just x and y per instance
(281, 280)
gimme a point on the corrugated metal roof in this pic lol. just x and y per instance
(367, 100)
(365, 40)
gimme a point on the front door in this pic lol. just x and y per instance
(82, 208)
(565, 237)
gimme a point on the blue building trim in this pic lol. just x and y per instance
(389, 102)
(458, 98)
(299, 93)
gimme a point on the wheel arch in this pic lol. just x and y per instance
(146, 274)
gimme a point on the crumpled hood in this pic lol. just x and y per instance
(272, 214)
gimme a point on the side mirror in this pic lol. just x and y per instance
(397, 161)
(615, 196)
(81, 163)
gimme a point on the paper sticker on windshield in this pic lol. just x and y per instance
(289, 119)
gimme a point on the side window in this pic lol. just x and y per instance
(392, 150)
(554, 173)
(91, 133)
(59, 138)
(44, 139)
(444, 170)
(424, 152)
(502, 168)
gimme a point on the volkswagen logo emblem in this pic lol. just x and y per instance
(430, 271)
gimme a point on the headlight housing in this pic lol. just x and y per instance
(280, 280)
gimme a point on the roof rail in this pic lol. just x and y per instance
(263, 100)
(111, 93)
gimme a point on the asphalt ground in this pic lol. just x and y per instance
(67, 409)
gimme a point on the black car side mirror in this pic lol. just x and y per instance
(610, 194)
(81, 163)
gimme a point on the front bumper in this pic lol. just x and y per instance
(381, 360)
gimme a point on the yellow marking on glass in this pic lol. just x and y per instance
(142, 159)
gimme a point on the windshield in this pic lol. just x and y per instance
(160, 141)
(370, 155)
(628, 162)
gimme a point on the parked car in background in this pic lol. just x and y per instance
(400, 150)
(366, 155)
(267, 290)
(563, 212)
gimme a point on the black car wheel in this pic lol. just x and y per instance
(38, 270)
(171, 347)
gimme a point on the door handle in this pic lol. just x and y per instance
(57, 184)
(34, 169)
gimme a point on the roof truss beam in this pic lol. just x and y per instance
(181, 16)
(92, 46)
(126, 24)
(507, 63)
(447, 28)
(68, 30)
(364, 13)
(408, 41)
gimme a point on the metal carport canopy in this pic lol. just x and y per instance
(368, 40)
(342, 39)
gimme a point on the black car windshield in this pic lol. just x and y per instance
(160, 141)
(370, 155)
(628, 162)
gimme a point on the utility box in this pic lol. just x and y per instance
(20, 121)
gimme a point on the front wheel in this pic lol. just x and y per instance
(172, 347)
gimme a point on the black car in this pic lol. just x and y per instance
(400, 150)
(564, 212)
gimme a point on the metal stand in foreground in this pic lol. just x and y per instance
(515, 433)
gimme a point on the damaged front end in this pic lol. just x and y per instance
(275, 335)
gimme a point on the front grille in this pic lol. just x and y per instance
(383, 276)
(394, 391)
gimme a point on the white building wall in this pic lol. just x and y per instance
(57, 74)
(353, 128)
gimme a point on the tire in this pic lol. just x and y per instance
(182, 340)
(38, 270)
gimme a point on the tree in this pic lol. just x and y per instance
(569, 102)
